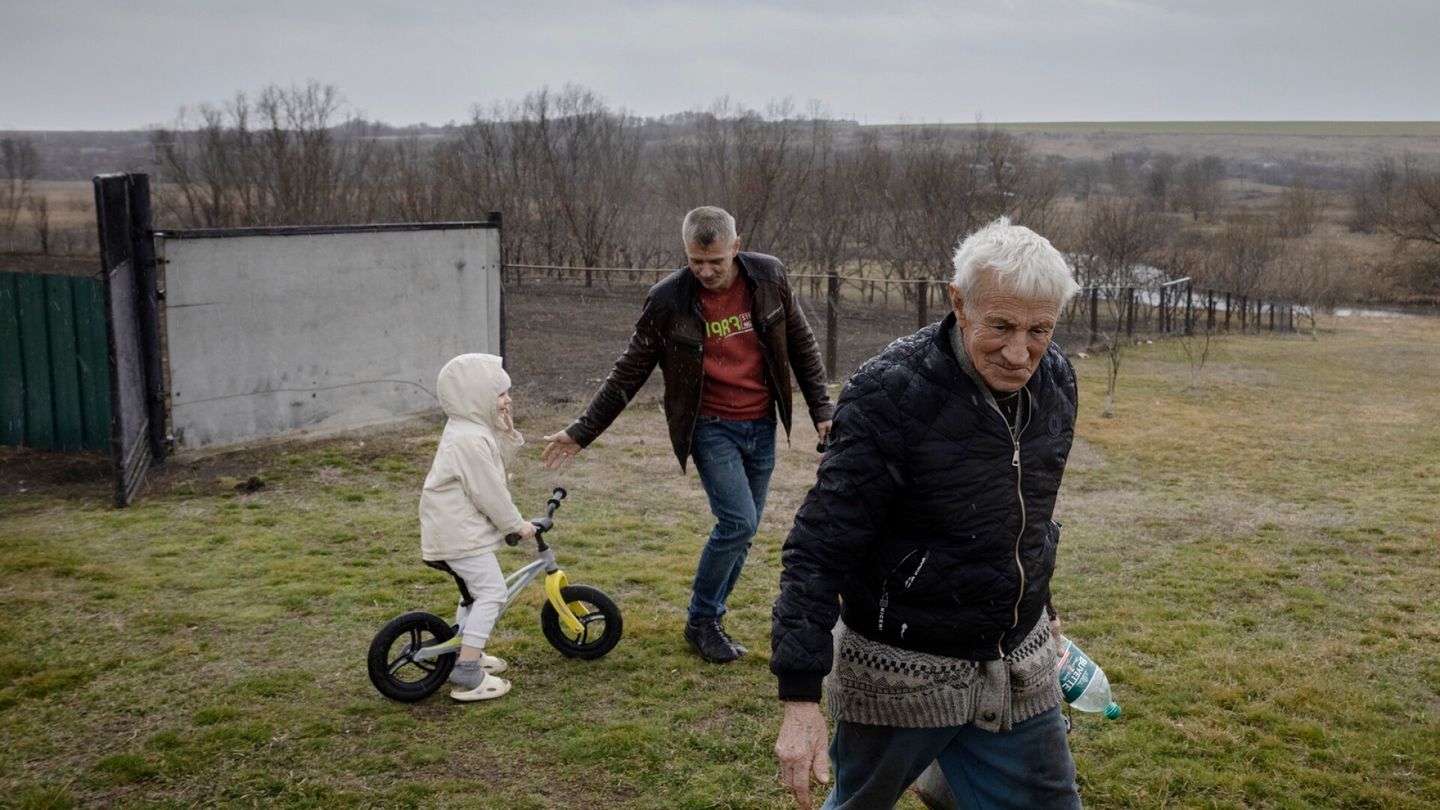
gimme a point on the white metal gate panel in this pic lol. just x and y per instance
(274, 331)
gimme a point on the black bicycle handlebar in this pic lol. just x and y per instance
(544, 524)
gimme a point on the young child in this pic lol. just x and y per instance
(466, 510)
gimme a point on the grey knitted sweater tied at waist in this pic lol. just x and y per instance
(876, 684)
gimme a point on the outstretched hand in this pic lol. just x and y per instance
(559, 450)
(801, 748)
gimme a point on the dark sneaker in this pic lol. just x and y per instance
(709, 640)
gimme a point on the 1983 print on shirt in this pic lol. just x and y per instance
(725, 326)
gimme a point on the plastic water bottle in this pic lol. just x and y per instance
(1083, 682)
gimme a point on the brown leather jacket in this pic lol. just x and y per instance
(671, 332)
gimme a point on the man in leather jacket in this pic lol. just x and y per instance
(726, 331)
(928, 534)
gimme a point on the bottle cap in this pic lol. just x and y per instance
(1112, 711)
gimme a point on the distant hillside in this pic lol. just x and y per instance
(1324, 152)
(1328, 152)
(82, 155)
(1349, 129)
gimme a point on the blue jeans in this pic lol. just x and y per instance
(734, 459)
(1027, 767)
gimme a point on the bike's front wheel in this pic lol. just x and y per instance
(394, 667)
(600, 623)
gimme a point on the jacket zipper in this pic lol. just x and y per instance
(1014, 431)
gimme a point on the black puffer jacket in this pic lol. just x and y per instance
(921, 520)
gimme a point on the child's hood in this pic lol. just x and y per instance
(470, 387)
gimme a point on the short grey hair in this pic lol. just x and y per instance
(1014, 259)
(705, 225)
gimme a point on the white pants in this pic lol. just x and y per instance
(487, 585)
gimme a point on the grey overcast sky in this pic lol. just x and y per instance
(86, 64)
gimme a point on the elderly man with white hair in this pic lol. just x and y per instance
(928, 534)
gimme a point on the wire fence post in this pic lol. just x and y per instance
(1094, 314)
(1189, 307)
(1129, 311)
(922, 295)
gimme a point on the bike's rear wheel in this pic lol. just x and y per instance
(393, 667)
(600, 622)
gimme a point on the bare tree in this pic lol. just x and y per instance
(1374, 198)
(1198, 186)
(1115, 237)
(1082, 178)
(564, 168)
(1299, 210)
(414, 181)
(870, 182)
(498, 166)
(1196, 345)
(1403, 200)
(932, 201)
(1244, 253)
(1117, 234)
(757, 166)
(1416, 218)
(591, 158)
(1011, 181)
(291, 156)
(1160, 179)
(1120, 174)
(194, 188)
(20, 164)
(825, 214)
(652, 232)
(1316, 275)
(933, 186)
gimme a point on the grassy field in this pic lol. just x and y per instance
(1252, 561)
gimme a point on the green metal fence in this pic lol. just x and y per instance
(54, 363)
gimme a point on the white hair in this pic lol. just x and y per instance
(1014, 259)
(706, 225)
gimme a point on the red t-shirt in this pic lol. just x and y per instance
(734, 365)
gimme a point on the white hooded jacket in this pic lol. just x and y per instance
(465, 508)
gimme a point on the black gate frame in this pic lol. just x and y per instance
(132, 326)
